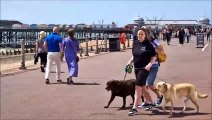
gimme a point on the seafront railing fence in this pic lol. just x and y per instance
(23, 56)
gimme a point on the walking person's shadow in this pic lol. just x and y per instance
(76, 83)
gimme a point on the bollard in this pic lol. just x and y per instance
(97, 48)
(31, 51)
(7, 53)
(81, 51)
(26, 50)
(23, 55)
(11, 52)
(86, 48)
(19, 52)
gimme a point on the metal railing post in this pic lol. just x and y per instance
(23, 55)
(91, 45)
(97, 45)
(105, 39)
(86, 48)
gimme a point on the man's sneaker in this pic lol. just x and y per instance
(47, 81)
(132, 112)
(159, 100)
(150, 108)
(146, 105)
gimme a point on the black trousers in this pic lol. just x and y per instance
(181, 40)
(168, 39)
(43, 59)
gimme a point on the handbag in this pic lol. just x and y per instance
(35, 58)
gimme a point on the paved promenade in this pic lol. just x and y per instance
(25, 96)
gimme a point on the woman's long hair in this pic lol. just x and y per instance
(147, 32)
(71, 33)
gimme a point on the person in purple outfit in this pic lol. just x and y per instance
(70, 49)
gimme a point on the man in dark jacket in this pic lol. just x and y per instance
(181, 35)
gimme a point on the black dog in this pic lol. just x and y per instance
(122, 88)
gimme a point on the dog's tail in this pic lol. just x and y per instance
(202, 95)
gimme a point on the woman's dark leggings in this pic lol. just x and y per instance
(43, 59)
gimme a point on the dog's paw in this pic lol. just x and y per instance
(105, 106)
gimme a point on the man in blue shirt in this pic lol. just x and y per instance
(53, 44)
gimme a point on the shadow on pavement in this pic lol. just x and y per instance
(173, 45)
(176, 108)
(76, 83)
(120, 108)
(55, 72)
(176, 114)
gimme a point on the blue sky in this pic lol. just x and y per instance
(86, 11)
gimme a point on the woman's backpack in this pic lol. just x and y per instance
(161, 55)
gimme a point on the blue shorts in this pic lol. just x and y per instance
(152, 75)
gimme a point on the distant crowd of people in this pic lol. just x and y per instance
(183, 33)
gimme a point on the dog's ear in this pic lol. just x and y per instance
(164, 82)
(165, 85)
(111, 80)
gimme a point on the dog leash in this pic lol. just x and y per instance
(125, 75)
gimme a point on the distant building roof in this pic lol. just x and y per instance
(8, 23)
(139, 20)
(174, 22)
(204, 20)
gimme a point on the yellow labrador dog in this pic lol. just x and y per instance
(172, 92)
